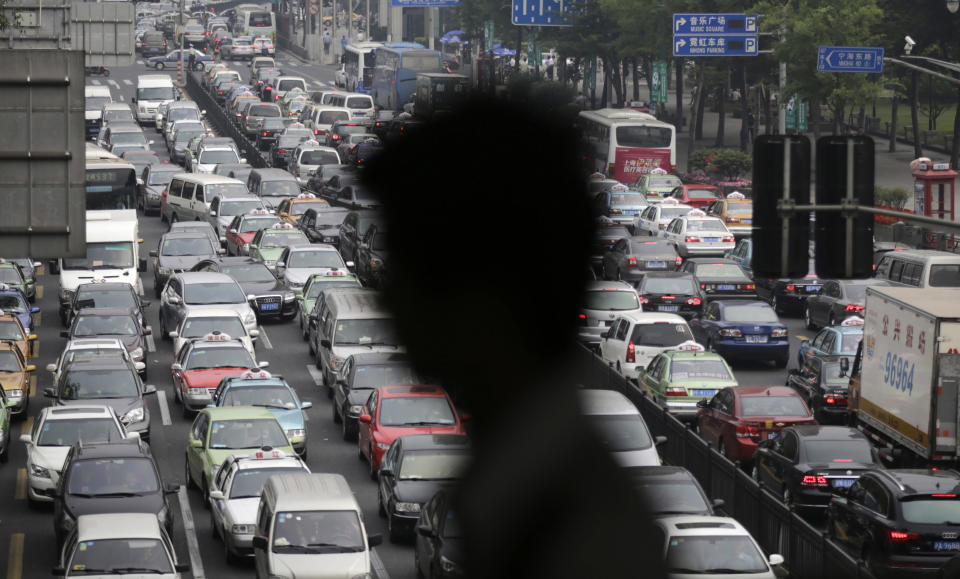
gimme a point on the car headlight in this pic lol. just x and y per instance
(289, 296)
(166, 271)
(356, 409)
(135, 415)
(447, 565)
(408, 507)
(296, 434)
(269, 262)
(250, 318)
(38, 471)
(246, 247)
(66, 295)
(14, 393)
(383, 446)
(137, 353)
(336, 362)
(243, 529)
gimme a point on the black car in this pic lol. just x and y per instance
(109, 477)
(606, 235)
(267, 131)
(348, 190)
(104, 295)
(674, 292)
(112, 322)
(837, 300)
(902, 522)
(822, 382)
(178, 252)
(631, 257)
(438, 553)
(670, 490)
(720, 278)
(401, 126)
(788, 295)
(323, 225)
(324, 173)
(155, 179)
(360, 375)
(372, 256)
(412, 471)
(340, 129)
(257, 280)
(807, 464)
(283, 147)
(352, 230)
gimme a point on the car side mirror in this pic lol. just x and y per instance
(364, 418)
(142, 264)
(196, 443)
(59, 571)
(170, 488)
(145, 304)
(280, 263)
(176, 366)
(147, 331)
(49, 392)
(182, 567)
(243, 159)
(386, 471)
(173, 335)
(251, 298)
(34, 310)
(51, 367)
(216, 495)
(253, 333)
(350, 265)
(703, 403)
(775, 560)
(374, 540)
(718, 503)
(325, 344)
(149, 389)
(139, 366)
(174, 300)
(133, 99)
(65, 334)
(844, 365)
(133, 435)
(659, 440)
(260, 542)
(306, 405)
(25, 438)
(466, 416)
(263, 364)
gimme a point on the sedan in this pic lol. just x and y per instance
(112, 322)
(823, 381)
(605, 237)
(674, 292)
(837, 300)
(620, 205)
(679, 380)
(696, 235)
(631, 257)
(699, 196)
(743, 329)
(273, 297)
(839, 340)
(788, 295)
(178, 252)
(172, 59)
(438, 553)
(273, 393)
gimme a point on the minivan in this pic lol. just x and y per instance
(311, 525)
(189, 195)
(272, 186)
(359, 105)
(322, 118)
(306, 159)
(920, 268)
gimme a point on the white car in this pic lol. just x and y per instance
(633, 340)
(90, 348)
(261, 42)
(57, 429)
(712, 547)
(621, 426)
(696, 235)
(655, 218)
(296, 264)
(199, 323)
(210, 157)
(235, 496)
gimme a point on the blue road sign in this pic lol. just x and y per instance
(538, 13)
(713, 24)
(423, 3)
(850, 59)
(714, 35)
(706, 45)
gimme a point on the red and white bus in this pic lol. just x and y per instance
(626, 144)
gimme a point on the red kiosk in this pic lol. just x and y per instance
(933, 194)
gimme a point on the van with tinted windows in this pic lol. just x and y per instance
(272, 186)
(322, 118)
(189, 195)
(360, 105)
(920, 268)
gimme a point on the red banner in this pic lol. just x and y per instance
(632, 163)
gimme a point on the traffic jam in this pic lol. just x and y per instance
(229, 307)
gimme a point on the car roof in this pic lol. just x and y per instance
(118, 526)
(911, 481)
(604, 402)
(205, 277)
(742, 303)
(187, 234)
(692, 355)
(112, 311)
(274, 174)
(822, 432)
(595, 285)
(710, 261)
(129, 448)
(745, 390)
(212, 313)
(663, 472)
(100, 363)
(380, 358)
(81, 343)
(693, 525)
(313, 247)
(406, 390)
(237, 413)
(654, 318)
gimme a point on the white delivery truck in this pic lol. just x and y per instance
(906, 377)
(113, 255)
(152, 91)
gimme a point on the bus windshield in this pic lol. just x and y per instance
(112, 188)
(643, 136)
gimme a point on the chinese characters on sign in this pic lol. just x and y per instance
(714, 35)
(850, 59)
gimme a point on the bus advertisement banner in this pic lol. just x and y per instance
(633, 163)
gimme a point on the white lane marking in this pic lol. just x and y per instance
(265, 339)
(193, 547)
(113, 83)
(128, 82)
(95, 82)
(316, 374)
(164, 409)
(140, 62)
(378, 568)
(122, 99)
(151, 345)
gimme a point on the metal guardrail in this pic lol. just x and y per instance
(218, 118)
(808, 552)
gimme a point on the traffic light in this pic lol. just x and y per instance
(781, 170)
(844, 172)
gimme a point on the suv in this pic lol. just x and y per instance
(255, 112)
(192, 291)
(602, 302)
(153, 44)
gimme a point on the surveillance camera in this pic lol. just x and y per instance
(910, 42)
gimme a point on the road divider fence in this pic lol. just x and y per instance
(218, 119)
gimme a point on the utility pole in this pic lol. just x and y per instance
(782, 101)
(181, 79)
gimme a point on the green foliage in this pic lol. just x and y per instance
(895, 197)
(724, 163)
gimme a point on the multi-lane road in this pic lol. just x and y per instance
(27, 545)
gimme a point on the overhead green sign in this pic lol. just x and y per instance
(795, 114)
(590, 73)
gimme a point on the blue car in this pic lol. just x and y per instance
(841, 340)
(260, 388)
(13, 301)
(744, 329)
(172, 58)
(742, 253)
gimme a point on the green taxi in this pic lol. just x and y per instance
(312, 288)
(217, 433)
(268, 244)
(655, 185)
(679, 380)
(12, 275)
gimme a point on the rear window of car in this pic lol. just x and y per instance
(627, 199)
(661, 335)
(945, 275)
(699, 369)
(773, 406)
(359, 103)
(610, 300)
(932, 511)
(264, 111)
(290, 84)
(702, 194)
(330, 117)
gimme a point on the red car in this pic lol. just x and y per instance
(243, 228)
(394, 411)
(737, 418)
(202, 363)
(698, 196)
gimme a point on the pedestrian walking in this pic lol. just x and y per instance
(343, 44)
(548, 63)
(327, 39)
(193, 59)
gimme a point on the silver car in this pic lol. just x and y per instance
(620, 423)
(224, 209)
(188, 292)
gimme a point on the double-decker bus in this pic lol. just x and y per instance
(395, 74)
(626, 144)
(111, 181)
(358, 63)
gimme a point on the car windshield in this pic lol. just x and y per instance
(705, 225)
(9, 362)
(100, 325)
(94, 103)
(251, 272)
(11, 303)
(248, 482)
(10, 275)
(103, 299)
(159, 93)
(932, 511)
(264, 111)
(213, 157)
(279, 188)
(258, 223)
(301, 208)
(699, 369)
(184, 246)
(773, 406)
(704, 554)
(621, 432)
(160, 177)
(702, 194)
(118, 115)
(376, 375)
(618, 199)
(751, 314)
(669, 285)
(182, 114)
(416, 411)
(315, 259)
(306, 532)
(615, 300)
(741, 210)
(370, 332)
(197, 327)
(839, 451)
(108, 255)
(95, 384)
(434, 464)
(653, 137)
(226, 190)
(318, 286)
(711, 270)
(10, 330)
(672, 496)
(285, 85)
(268, 396)
(849, 342)
(131, 138)
(110, 476)
(67, 432)
(119, 557)
(247, 433)
(213, 293)
(231, 208)
(283, 239)
(185, 136)
(661, 335)
(223, 357)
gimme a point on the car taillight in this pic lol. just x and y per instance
(270, 47)
(632, 261)
(583, 319)
(335, 137)
(644, 300)
(853, 308)
(780, 333)
(811, 481)
(694, 301)
(748, 286)
(276, 97)
(836, 399)
(679, 260)
(316, 131)
(692, 240)
(790, 287)
(164, 44)
(631, 355)
(730, 332)
(266, 133)
(729, 239)
(616, 212)
(283, 152)
(747, 431)
(901, 536)
(675, 391)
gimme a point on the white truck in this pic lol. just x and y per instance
(152, 91)
(113, 255)
(906, 377)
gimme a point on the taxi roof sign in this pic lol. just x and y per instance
(658, 171)
(306, 196)
(690, 346)
(217, 336)
(253, 374)
(619, 187)
(696, 213)
(259, 212)
(267, 452)
(670, 201)
(282, 226)
(852, 321)
(736, 195)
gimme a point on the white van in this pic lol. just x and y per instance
(94, 98)
(113, 254)
(360, 105)
(920, 268)
(299, 511)
(152, 91)
(323, 117)
(189, 195)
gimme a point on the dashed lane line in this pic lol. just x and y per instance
(114, 84)
(20, 492)
(27, 425)
(95, 82)
(316, 374)
(128, 82)
(164, 408)
(33, 385)
(265, 339)
(39, 292)
(378, 567)
(151, 344)
(193, 547)
(15, 557)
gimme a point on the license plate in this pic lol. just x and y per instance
(946, 545)
(269, 307)
(843, 482)
(359, 114)
(630, 212)
(711, 239)
(746, 221)
(667, 308)
(726, 287)
(699, 392)
(771, 435)
(756, 339)
(813, 288)
(656, 264)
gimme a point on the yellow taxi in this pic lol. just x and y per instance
(15, 376)
(736, 212)
(292, 209)
(11, 330)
